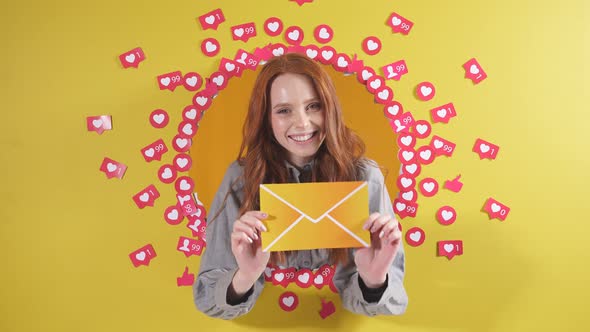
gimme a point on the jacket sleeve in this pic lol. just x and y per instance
(218, 265)
(394, 299)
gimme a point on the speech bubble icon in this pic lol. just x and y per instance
(443, 113)
(496, 209)
(112, 169)
(441, 146)
(485, 149)
(146, 197)
(170, 81)
(99, 123)
(404, 208)
(244, 31)
(395, 71)
(143, 255)
(212, 19)
(473, 71)
(154, 151)
(450, 248)
(399, 24)
(132, 58)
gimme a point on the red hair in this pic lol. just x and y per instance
(263, 158)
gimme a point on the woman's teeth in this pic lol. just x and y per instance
(302, 138)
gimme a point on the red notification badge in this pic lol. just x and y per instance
(485, 149)
(422, 129)
(186, 279)
(288, 301)
(371, 45)
(328, 309)
(450, 249)
(146, 197)
(405, 209)
(399, 24)
(99, 123)
(197, 225)
(415, 236)
(182, 162)
(181, 144)
(294, 35)
(446, 215)
(443, 113)
(230, 68)
(112, 169)
(425, 155)
(172, 215)
(170, 81)
(441, 146)
(454, 185)
(243, 32)
(132, 58)
(323, 33)
(143, 255)
(473, 71)
(210, 47)
(167, 173)
(395, 71)
(154, 151)
(159, 118)
(212, 19)
(496, 209)
(273, 26)
(428, 187)
(190, 246)
(425, 91)
(184, 185)
(192, 81)
(402, 123)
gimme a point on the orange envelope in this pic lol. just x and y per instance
(315, 215)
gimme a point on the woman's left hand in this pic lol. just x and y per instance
(372, 263)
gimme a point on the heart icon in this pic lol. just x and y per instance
(294, 35)
(383, 95)
(230, 66)
(408, 155)
(421, 129)
(167, 173)
(111, 167)
(495, 207)
(376, 84)
(144, 197)
(239, 32)
(438, 144)
(312, 54)
(428, 186)
(416, 236)
(210, 19)
(181, 142)
(181, 162)
(304, 278)
(366, 74)
(165, 81)
(192, 81)
(448, 247)
(288, 301)
(187, 129)
(484, 148)
(159, 118)
(396, 21)
(342, 63)
(191, 115)
(327, 55)
(97, 123)
(474, 70)
(426, 90)
(393, 110)
(406, 182)
(411, 168)
(408, 196)
(278, 51)
(219, 80)
(407, 140)
(210, 47)
(400, 206)
(184, 185)
(447, 215)
(149, 152)
(324, 33)
(318, 280)
(442, 113)
(130, 58)
(371, 45)
(202, 101)
(273, 26)
(140, 256)
(426, 154)
(279, 277)
(173, 215)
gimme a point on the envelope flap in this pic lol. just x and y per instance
(314, 198)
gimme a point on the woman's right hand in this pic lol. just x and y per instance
(247, 249)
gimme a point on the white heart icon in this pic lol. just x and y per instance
(187, 129)
(327, 55)
(167, 174)
(158, 118)
(202, 100)
(371, 45)
(428, 186)
(406, 182)
(130, 58)
(408, 155)
(383, 95)
(495, 207)
(311, 53)
(342, 63)
(181, 162)
(438, 144)
(144, 197)
(376, 84)
(425, 90)
(165, 81)
(319, 279)
(474, 70)
(239, 32)
(324, 33)
(149, 152)
(396, 21)
(416, 236)
(230, 66)
(441, 113)
(367, 74)
(210, 47)
(278, 51)
(192, 81)
(400, 206)
(181, 142)
(173, 215)
(426, 154)
(294, 35)
(288, 301)
(279, 277)
(97, 123)
(411, 168)
(192, 114)
(184, 185)
(408, 196)
(273, 26)
(111, 167)
(304, 278)
(406, 140)
(484, 148)
(393, 110)
(447, 215)
(218, 80)
(421, 129)
(140, 256)
(210, 19)
(448, 247)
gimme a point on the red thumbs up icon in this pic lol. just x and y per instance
(187, 279)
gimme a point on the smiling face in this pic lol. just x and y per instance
(297, 117)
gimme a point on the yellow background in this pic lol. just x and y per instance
(66, 231)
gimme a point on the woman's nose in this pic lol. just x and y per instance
(302, 119)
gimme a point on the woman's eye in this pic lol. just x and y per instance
(314, 106)
(282, 111)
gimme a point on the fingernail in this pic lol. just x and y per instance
(263, 228)
(381, 234)
(264, 215)
(255, 236)
(365, 226)
(250, 240)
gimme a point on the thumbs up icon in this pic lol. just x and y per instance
(187, 279)
(454, 185)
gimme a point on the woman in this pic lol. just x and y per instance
(294, 132)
